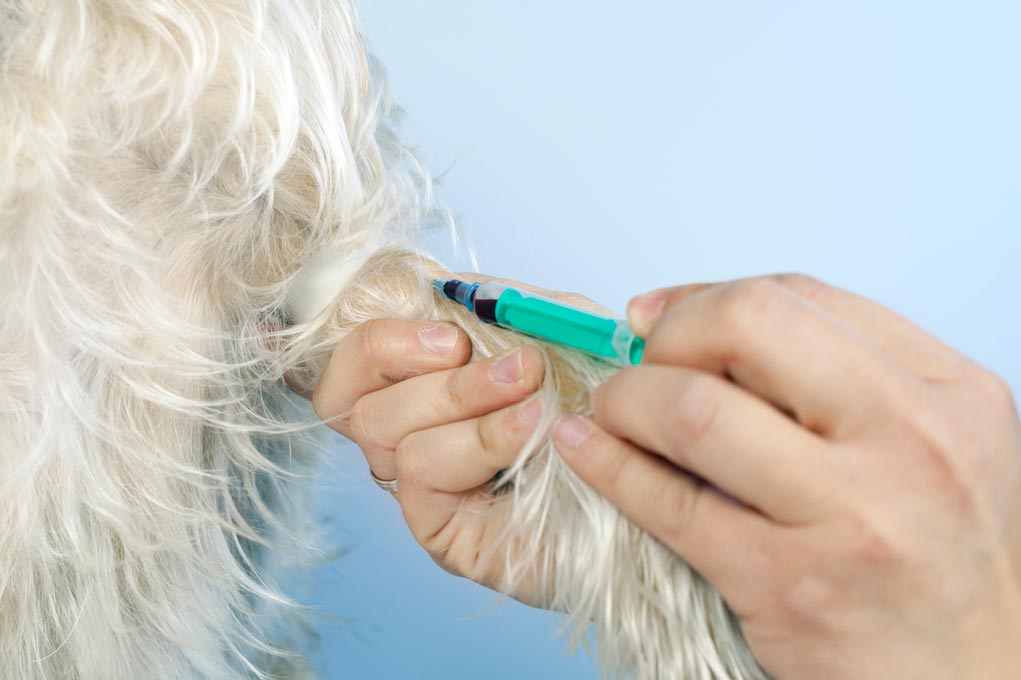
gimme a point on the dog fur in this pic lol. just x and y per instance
(195, 198)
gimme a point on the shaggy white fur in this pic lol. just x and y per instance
(185, 187)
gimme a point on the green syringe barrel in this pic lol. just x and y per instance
(590, 332)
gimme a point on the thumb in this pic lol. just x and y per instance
(643, 311)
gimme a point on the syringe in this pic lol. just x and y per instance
(494, 302)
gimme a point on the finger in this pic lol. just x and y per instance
(912, 346)
(706, 529)
(644, 310)
(721, 433)
(438, 466)
(447, 396)
(478, 543)
(379, 353)
(787, 350)
(380, 420)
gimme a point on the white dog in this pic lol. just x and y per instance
(187, 191)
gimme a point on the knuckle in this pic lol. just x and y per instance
(872, 545)
(744, 303)
(956, 367)
(679, 504)
(386, 340)
(408, 459)
(805, 599)
(679, 294)
(952, 476)
(356, 425)
(372, 336)
(995, 390)
(614, 468)
(808, 287)
(864, 551)
(489, 434)
(456, 388)
(694, 413)
(533, 361)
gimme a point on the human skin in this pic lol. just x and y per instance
(441, 428)
(850, 484)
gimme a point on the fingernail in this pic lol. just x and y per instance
(572, 431)
(508, 369)
(438, 339)
(529, 412)
(643, 310)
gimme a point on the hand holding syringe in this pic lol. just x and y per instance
(878, 470)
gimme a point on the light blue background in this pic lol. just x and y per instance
(609, 147)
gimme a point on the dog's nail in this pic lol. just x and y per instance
(509, 369)
(572, 431)
(438, 339)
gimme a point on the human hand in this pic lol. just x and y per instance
(441, 428)
(850, 484)
(438, 425)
